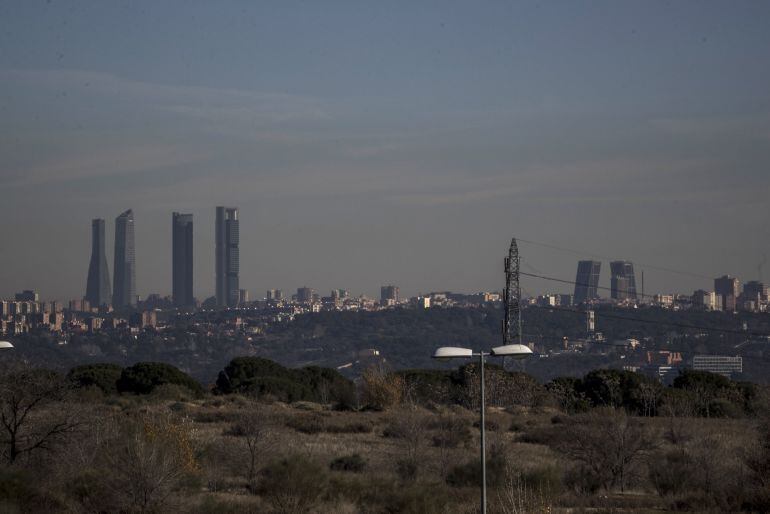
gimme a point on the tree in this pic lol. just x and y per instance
(31, 415)
(146, 461)
(102, 375)
(565, 391)
(144, 377)
(609, 443)
(382, 390)
(256, 431)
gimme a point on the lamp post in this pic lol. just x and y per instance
(5, 344)
(516, 351)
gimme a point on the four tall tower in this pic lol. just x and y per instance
(98, 283)
(182, 259)
(124, 292)
(227, 256)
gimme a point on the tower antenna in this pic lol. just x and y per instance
(512, 296)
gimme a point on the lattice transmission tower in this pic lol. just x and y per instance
(512, 297)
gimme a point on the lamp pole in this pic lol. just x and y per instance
(516, 351)
(483, 441)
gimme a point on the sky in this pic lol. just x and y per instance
(369, 143)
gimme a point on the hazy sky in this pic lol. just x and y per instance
(386, 142)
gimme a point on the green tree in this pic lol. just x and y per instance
(144, 377)
(102, 375)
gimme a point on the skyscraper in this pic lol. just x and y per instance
(587, 281)
(227, 258)
(389, 294)
(726, 287)
(623, 281)
(124, 292)
(98, 285)
(182, 259)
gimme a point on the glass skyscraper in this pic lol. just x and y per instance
(98, 284)
(623, 281)
(227, 257)
(124, 292)
(182, 259)
(587, 281)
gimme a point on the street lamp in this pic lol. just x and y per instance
(516, 351)
(5, 344)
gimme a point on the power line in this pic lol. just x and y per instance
(604, 257)
(573, 282)
(657, 322)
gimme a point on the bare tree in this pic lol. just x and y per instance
(381, 389)
(609, 443)
(515, 496)
(32, 417)
(256, 429)
(409, 425)
(147, 460)
(649, 394)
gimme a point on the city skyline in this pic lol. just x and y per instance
(364, 147)
(226, 244)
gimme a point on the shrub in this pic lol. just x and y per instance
(292, 484)
(489, 424)
(263, 377)
(419, 498)
(350, 428)
(407, 469)
(104, 376)
(469, 474)
(382, 390)
(452, 431)
(306, 424)
(671, 473)
(145, 377)
(353, 463)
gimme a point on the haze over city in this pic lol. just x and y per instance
(364, 146)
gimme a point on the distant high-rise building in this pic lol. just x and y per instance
(27, 295)
(227, 257)
(727, 288)
(587, 281)
(304, 295)
(707, 300)
(754, 290)
(98, 284)
(243, 296)
(182, 259)
(124, 291)
(274, 294)
(623, 281)
(389, 294)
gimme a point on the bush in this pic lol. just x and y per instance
(452, 432)
(353, 463)
(671, 473)
(145, 377)
(469, 474)
(489, 424)
(306, 424)
(350, 428)
(263, 377)
(104, 376)
(292, 484)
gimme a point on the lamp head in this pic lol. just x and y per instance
(517, 351)
(452, 352)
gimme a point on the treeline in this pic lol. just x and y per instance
(693, 393)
